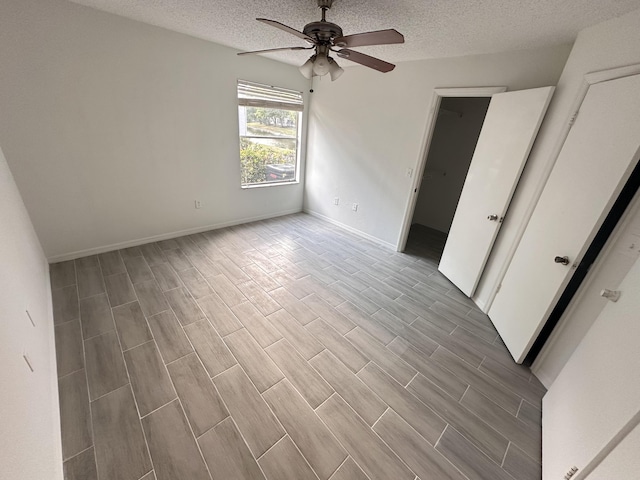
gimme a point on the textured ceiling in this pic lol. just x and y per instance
(435, 28)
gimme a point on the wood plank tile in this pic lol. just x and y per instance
(355, 297)
(150, 297)
(213, 352)
(111, 263)
(257, 324)
(95, 316)
(295, 334)
(364, 446)
(530, 415)
(169, 244)
(173, 449)
(220, 316)
(256, 363)
(478, 380)
(364, 321)
(69, 348)
(366, 403)
(338, 345)
(152, 254)
(131, 325)
(306, 380)
(121, 451)
(391, 306)
(150, 381)
(255, 421)
(75, 416)
(195, 283)
(531, 392)
(257, 296)
(349, 470)
(377, 352)
(166, 277)
(149, 476)
(467, 458)
(188, 246)
(81, 467)
(88, 262)
(451, 343)
(261, 277)
(205, 266)
(184, 306)
(226, 290)
(138, 269)
(441, 377)
(528, 438)
(518, 464)
(311, 436)
(295, 307)
(422, 418)
(62, 274)
(329, 314)
(105, 365)
(478, 432)
(407, 332)
(284, 462)
(65, 304)
(414, 450)
(130, 252)
(178, 260)
(200, 400)
(119, 289)
(89, 282)
(171, 340)
(227, 455)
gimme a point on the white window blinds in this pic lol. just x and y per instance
(265, 96)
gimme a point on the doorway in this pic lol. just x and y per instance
(432, 174)
(457, 128)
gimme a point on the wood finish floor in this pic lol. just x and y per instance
(284, 349)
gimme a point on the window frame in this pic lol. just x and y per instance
(252, 94)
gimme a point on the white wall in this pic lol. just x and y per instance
(113, 128)
(452, 146)
(367, 128)
(30, 445)
(607, 45)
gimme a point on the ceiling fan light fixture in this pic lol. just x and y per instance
(306, 69)
(335, 70)
(321, 64)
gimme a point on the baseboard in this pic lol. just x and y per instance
(350, 229)
(164, 236)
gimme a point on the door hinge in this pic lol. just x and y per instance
(572, 120)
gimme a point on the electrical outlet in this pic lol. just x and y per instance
(198, 204)
(409, 172)
(354, 207)
(336, 201)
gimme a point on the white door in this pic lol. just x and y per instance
(596, 159)
(508, 132)
(596, 396)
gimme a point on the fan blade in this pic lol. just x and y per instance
(380, 37)
(366, 60)
(274, 50)
(284, 27)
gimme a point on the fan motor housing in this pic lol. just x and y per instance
(323, 31)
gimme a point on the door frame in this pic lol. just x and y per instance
(432, 118)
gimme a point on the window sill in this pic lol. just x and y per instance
(270, 184)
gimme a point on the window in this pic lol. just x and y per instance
(270, 119)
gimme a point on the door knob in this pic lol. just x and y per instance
(493, 218)
(563, 260)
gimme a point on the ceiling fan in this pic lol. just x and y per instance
(326, 37)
